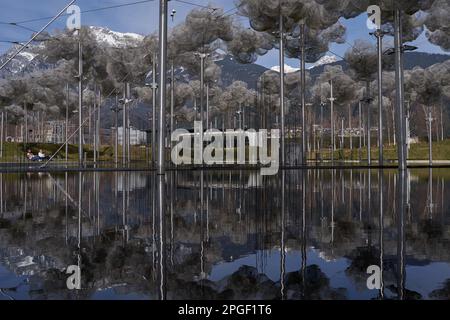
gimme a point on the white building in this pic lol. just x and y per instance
(137, 137)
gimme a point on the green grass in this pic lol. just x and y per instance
(15, 152)
(419, 151)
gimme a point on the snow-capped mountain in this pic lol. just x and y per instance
(323, 61)
(115, 39)
(26, 61)
(287, 69)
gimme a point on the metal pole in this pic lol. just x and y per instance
(207, 106)
(172, 96)
(1, 137)
(67, 121)
(202, 88)
(80, 101)
(303, 90)
(379, 34)
(359, 131)
(98, 123)
(124, 125)
(351, 128)
(95, 124)
(442, 123)
(162, 83)
(430, 137)
(26, 122)
(282, 88)
(369, 148)
(332, 99)
(154, 88)
(400, 118)
(116, 142)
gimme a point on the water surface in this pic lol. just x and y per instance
(225, 235)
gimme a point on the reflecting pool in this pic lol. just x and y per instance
(303, 234)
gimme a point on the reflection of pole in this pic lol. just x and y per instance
(401, 191)
(303, 91)
(283, 244)
(303, 268)
(162, 255)
(399, 81)
(282, 88)
(381, 222)
(162, 83)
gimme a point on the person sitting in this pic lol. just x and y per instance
(42, 155)
(31, 156)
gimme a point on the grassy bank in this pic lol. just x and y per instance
(419, 151)
(15, 152)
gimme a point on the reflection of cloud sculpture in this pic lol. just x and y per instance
(315, 287)
(442, 293)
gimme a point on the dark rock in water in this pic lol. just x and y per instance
(407, 294)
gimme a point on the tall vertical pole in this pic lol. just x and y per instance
(66, 134)
(172, 95)
(379, 34)
(369, 147)
(332, 99)
(80, 100)
(98, 123)
(430, 137)
(95, 124)
(207, 106)
(2, 137)
(400, 118)
(202, 88)
(154, 88)
(283, 155)
(360, 130)
(116, 138)
(124, 126)
(303, 90)
(26, 122)
(442, 123)
(350, 127)
(162, 84)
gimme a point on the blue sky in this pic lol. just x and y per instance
(143, 19)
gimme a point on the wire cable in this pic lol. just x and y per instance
(84, 11)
